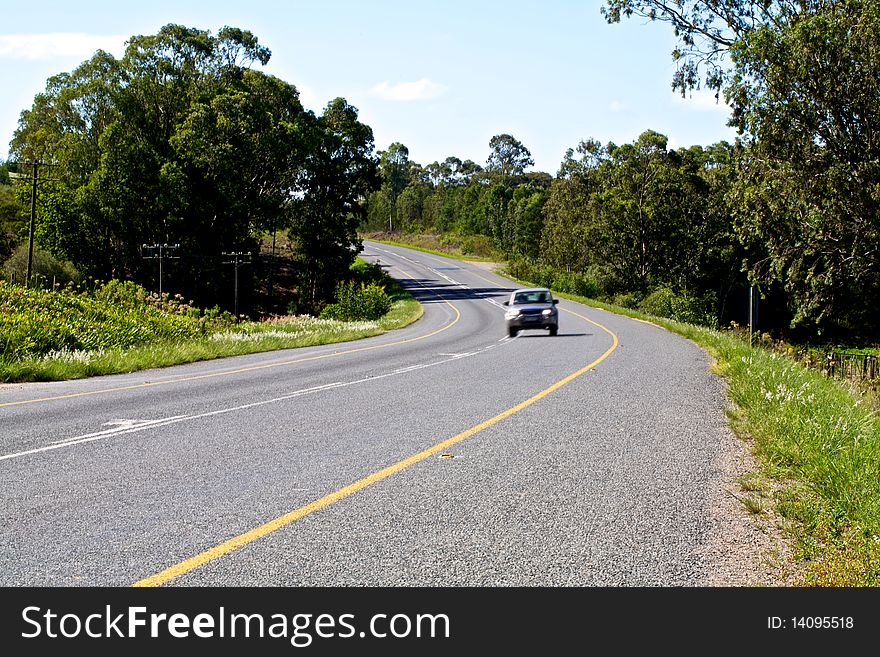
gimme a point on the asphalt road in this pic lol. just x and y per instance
(442, 454)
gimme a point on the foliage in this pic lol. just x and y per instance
(38, 323)
(225, 338)
(577, 283)
(664, 302)
(809, 190)
(342, 171)
(358, 301)
(11, 220)
(500, 202)
(394, 168)
(616, 219)
(182, 141)
(509, 158)
(800, 79)
(706, 29)
(46, 269)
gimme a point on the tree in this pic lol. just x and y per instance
(809, 192)
(340, 172)
(509, 158)
(177, 142)
(11, 220)
(528, 220)
(571, 214)
(801, 80)
(394, 167)
(640, 210)
(706, 30)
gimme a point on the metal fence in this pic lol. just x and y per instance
(864, 368)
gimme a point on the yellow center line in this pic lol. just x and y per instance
(149, 384)
(257, 533)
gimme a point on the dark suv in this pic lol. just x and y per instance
(531, 308)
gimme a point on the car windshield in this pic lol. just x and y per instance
(532, 297)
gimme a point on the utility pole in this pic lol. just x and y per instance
(238, 258)
(30, 262)
(272, 261)
(34, 178)
(160, 252)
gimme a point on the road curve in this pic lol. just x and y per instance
(442, 454)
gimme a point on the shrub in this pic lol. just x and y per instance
(576, 283)
(358, 301)
(659, 303)
(367, 272)
(34, 322)
(629, 300)
(45, 268)
(664, 302)
(579, 283)
(123, 293)
(478, 245)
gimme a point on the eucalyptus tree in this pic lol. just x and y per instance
(178, 141)
(394, 167)
(508, 157)
(801, 79)
(340, 171)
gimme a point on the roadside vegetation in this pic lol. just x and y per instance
(818, 443)
(117, 327)
(478, 248)
(181, 141)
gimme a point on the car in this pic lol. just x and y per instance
(531, 308)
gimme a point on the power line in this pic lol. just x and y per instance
(160, 252)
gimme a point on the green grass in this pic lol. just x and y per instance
(79, 335)
(462, 248)
(815, 440)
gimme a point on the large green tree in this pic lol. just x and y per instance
(508, 158)
(179, 141)
(802, 80)
(807, 99)
(341, 172)
(394, 168)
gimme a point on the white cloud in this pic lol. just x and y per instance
(60, 44)
(617, 106)
(422, 89)
(701, 101)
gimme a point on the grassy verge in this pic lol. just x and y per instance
(193, 338)
(818, 446)
(474, 248)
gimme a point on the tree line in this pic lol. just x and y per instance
(792, 208)
(182, 142)
(617, 222)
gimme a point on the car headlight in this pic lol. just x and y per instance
(547, 312)
(513, 312)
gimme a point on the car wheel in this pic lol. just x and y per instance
(512, 332)
(554, 330)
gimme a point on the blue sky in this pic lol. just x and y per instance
(442, 77)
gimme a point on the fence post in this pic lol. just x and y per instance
(751, 312)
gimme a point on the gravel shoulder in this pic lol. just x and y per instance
(743, 548)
